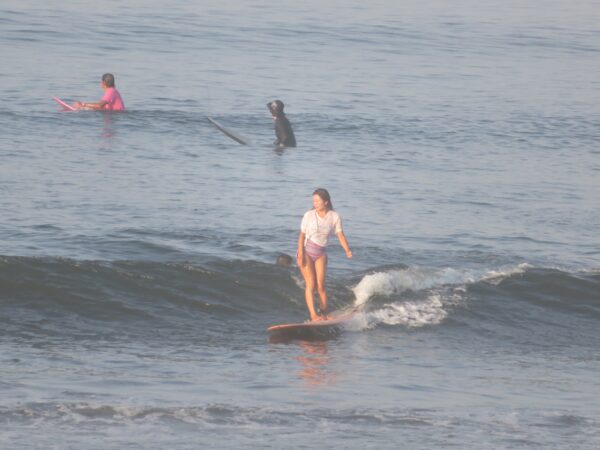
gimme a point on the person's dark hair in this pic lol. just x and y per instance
(324, 196)
(284, 260)
(109, 80)
(276, 107)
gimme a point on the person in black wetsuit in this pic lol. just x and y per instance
(283, 129)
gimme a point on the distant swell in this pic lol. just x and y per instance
(56, 297)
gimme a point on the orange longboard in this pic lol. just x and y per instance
(317, 330)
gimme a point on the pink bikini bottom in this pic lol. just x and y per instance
(314, 251)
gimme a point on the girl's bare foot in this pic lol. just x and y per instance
(319, 318)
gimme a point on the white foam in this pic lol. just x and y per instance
(444, 287)
(418, 279)
(410, 314)
(496, 276)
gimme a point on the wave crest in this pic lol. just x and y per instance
(418, 279)
(442, 288)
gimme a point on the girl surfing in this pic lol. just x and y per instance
(317, 225)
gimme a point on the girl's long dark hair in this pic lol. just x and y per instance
(324, 196)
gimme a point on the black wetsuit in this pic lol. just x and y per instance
(284, 132)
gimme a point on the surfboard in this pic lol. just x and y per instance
(226, 132)
(318, 330)
(65, 106)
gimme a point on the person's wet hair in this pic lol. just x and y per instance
(109, 80)
(324, 196)
(284, 260)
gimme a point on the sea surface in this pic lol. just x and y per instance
(460, 142)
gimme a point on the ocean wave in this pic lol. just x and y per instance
(63, 424)
(416, 297)
(54, 296)
(443, 289)
(216, 414)
(417, 279)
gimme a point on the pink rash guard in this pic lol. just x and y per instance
(113, 100)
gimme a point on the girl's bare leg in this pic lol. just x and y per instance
(308, 272)
(321, 272)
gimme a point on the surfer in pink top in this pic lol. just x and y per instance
(110, 101)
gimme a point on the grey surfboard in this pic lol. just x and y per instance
(228, 133)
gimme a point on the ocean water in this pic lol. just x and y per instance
(460, 143)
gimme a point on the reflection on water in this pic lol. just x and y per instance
(316, 369)
(108, 131)
(279, 150)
